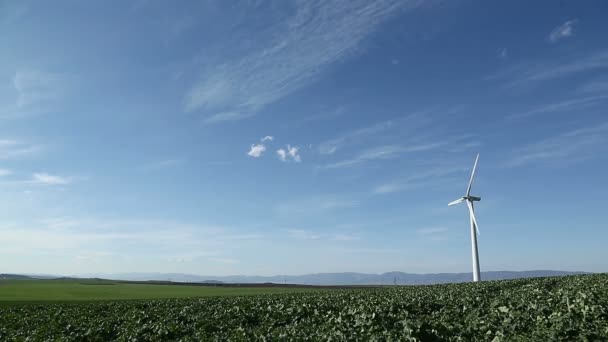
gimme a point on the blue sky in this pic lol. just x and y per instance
(290, 137)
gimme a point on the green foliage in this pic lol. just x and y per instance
(543, 309)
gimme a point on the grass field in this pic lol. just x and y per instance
(12, 291)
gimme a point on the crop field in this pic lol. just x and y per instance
(17, 291)
(543, 309)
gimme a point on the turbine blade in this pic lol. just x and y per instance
(460, 200)
(472, 175)
(472, 213)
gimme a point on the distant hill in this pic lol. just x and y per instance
(345, 278)
(15, 276)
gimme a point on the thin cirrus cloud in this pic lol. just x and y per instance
(302, 234)
(562, 106)
(564, 30)
(353, 137)
(12, 11)
(432, 230)
(5, 172)
(12, 149)
(538, 71)
(35, 87)
(382, 153)
(430, 177)
(300, 48)
(409, 125)
(503, 53)
(570, 147)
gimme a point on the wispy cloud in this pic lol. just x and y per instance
(289, 153)
(12, 11)
(163, 164)
(314, 205)
(573, 146)
(148, 238)
(303, 234)
(419, 178)
(563, 106)
(37, 87)
(10, 149)
(382, 153)
(224, 260)
(300, 48)
(432, 230)
(267, 138)
(564, 30)
(503, 53)
(600, 87)
(353, 137)
(256, 150)
(546, 70)
(47, 179)
(226, 117)
(5, 172)
(324, 114)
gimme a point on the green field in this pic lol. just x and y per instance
(572, 308)
(12, 291)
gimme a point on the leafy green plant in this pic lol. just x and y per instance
(543, 309)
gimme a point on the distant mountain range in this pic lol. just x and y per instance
(345, 278)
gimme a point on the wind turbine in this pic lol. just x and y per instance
(474, 227)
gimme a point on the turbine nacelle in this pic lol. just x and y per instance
(465, 198)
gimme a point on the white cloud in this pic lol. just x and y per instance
(5, 172)
(564, 30)
(289, 54)
(45, 178)
(289, 153)
(282, 154)
(256, 150)
(293, 153)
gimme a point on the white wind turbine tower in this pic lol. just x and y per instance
(474, 227)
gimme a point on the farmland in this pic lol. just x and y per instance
(24, 291)
(541, 309)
